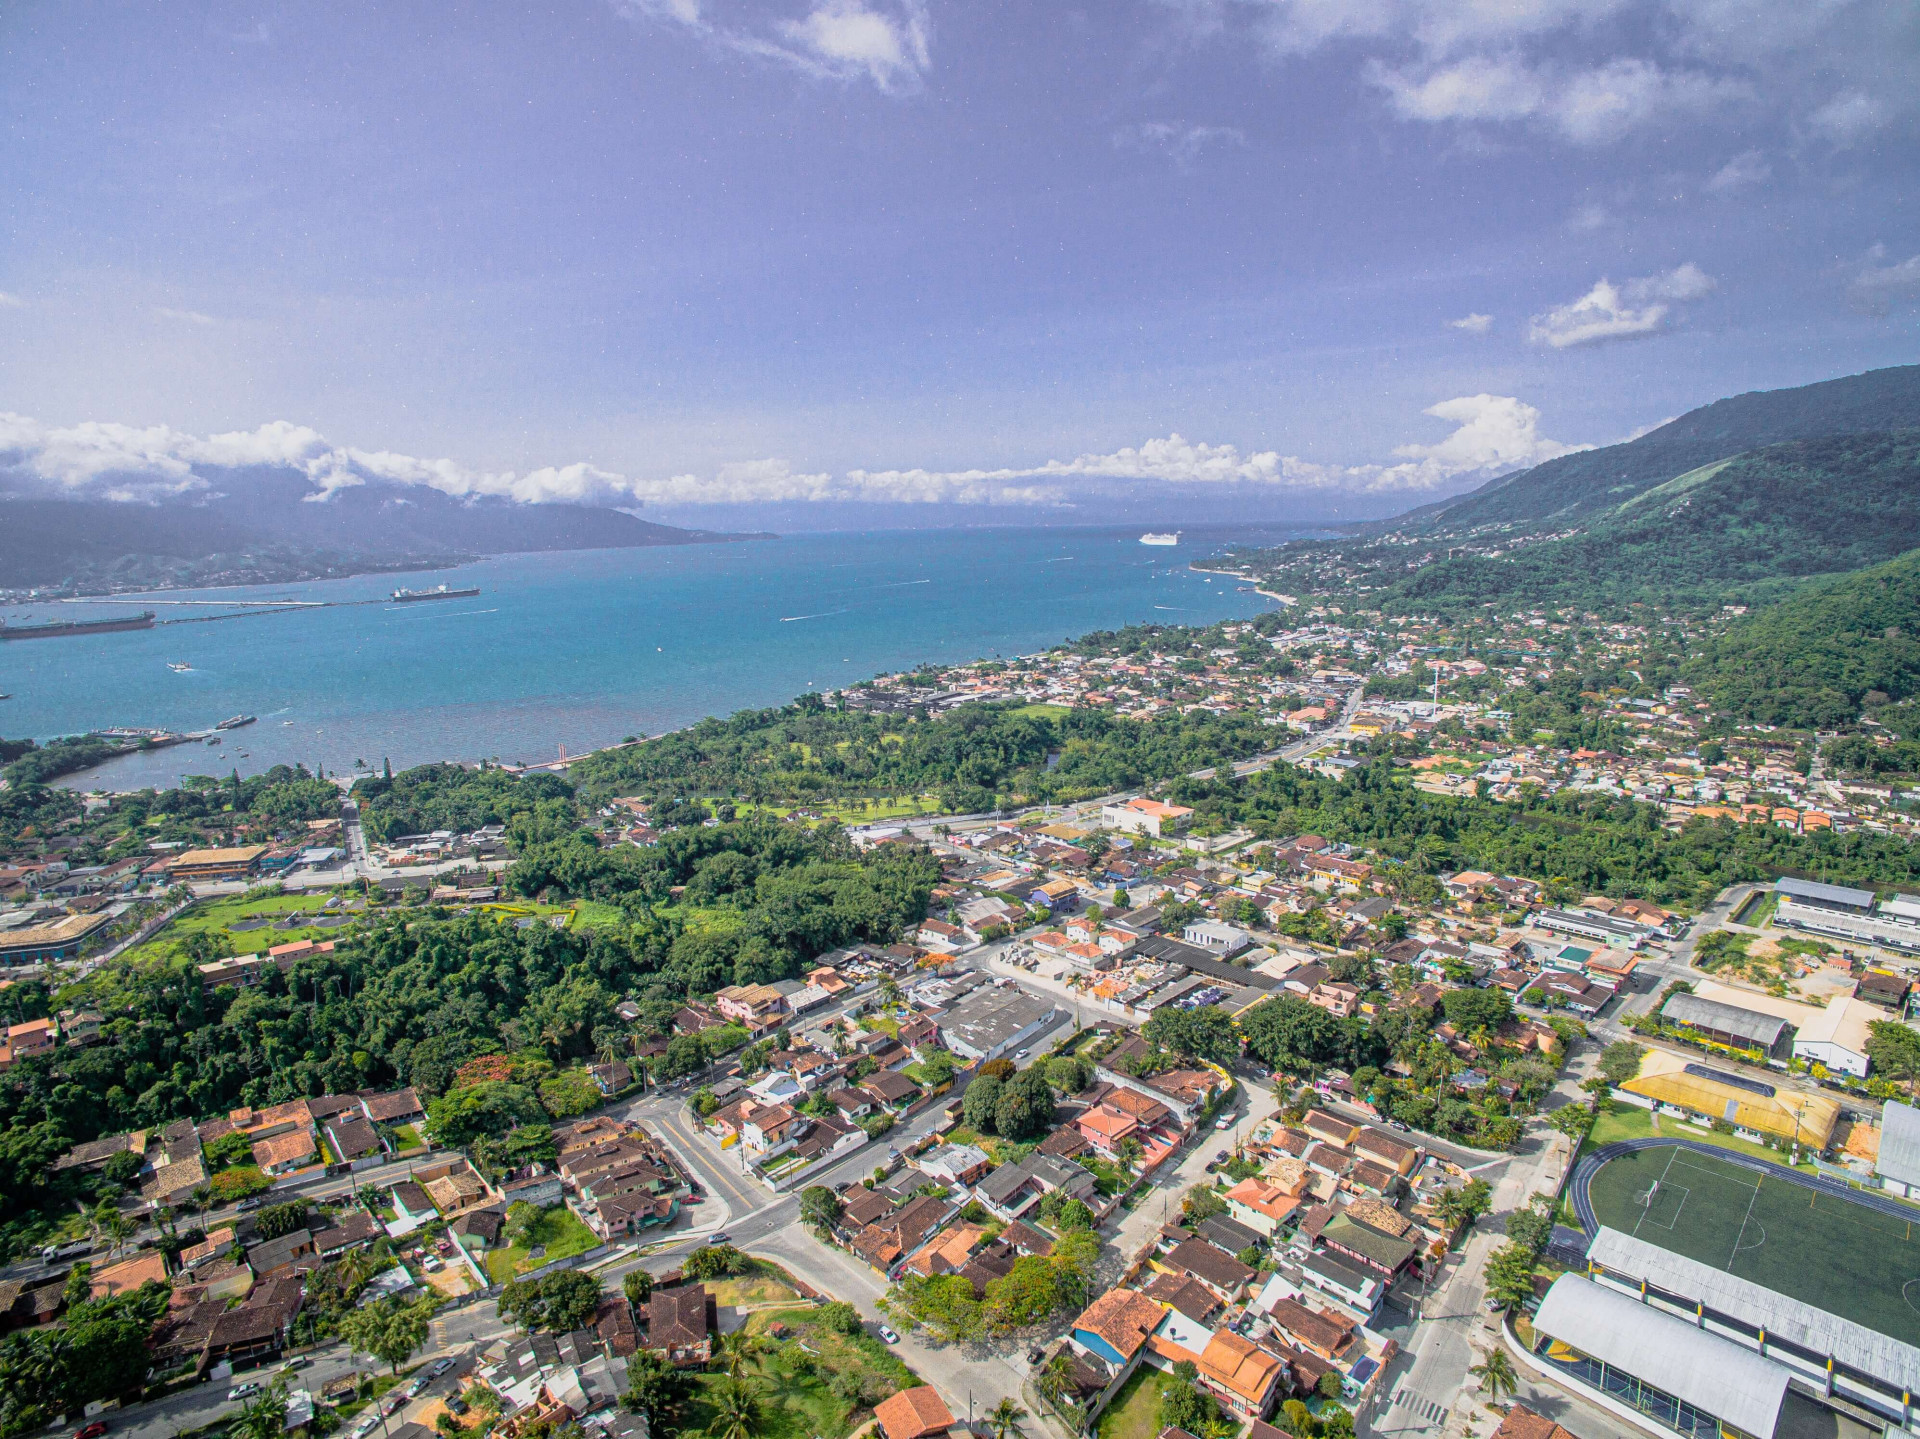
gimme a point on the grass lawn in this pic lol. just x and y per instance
(1630, 1122)
(1833, 1253)
(1135, 1411)
(752, 1289)
(216, 916)
(406, 1137)
(557, 1229)
(591, 914)
(792, 1378)
(1044, 711)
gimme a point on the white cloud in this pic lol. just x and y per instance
(11, 302)
(849, 39)
(1562, 66)
(1182, 142)
(1848, 118)
(1743, 170)
(1876, 287)
(1491, 434)
(1620, 312)
(1588, 107)
(190, 317)
(886, 42)
(1474, 324)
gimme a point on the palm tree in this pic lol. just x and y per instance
(1496, 1375)
(264, 1417)
(1005, 1418)
(736, 1349)
(736, 1410)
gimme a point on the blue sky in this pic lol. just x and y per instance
(967, 262)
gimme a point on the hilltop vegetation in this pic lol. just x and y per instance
(1816, 659)
(1576, 487)
(974, 758)
(1786, 512)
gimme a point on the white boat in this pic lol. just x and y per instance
(179, 669)
(1150, 538)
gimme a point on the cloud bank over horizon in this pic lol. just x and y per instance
(1491, 435)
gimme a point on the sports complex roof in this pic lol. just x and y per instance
(1855, 1345)
(1788, 1113)
(1813, 889)
(1733, 1384)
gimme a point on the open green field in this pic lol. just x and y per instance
(1044, 711)
(1628, 1121)
(557, 1229)
(793, 1379)
(259, 928)
(1830, 1252)
(1135, 1411)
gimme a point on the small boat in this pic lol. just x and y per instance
(213, 739)
(179, 669)
(1150, 538)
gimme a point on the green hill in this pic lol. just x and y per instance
(1574, 488)
(1814, 659)
(1785, 512)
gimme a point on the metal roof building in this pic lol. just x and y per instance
(1663, 1366)
(1832, 896)
(1764, 1031)
(1796, 1334)
(1899, 1157)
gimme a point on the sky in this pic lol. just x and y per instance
(832, 260)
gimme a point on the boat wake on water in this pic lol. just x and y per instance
(823, 615)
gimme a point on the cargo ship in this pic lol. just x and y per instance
(51, 629)
(438, 592)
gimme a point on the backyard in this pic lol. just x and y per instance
(1135, 1410)
(813, 1383)
(557, 1233)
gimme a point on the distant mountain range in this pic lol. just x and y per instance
(1574, 488)
(1803, 504)
(265, 527)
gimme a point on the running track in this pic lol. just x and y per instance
(1584, 1171)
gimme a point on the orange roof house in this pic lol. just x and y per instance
(1243, 1374)
(1261, 1205)
(913, 1414)
(1116, 1324)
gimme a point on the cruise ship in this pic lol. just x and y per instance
(1150, 538)
(438, 592)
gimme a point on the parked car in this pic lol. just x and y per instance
(456, 1405)
(1226, 1123)
(91, 1431)
(888, 1335)
(440, 1366)
(243, 1391)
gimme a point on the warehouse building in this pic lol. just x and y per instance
(1830, 1356)
(993, 1021)
(1729, 1025)
(1898, 1162)
(1826, 896)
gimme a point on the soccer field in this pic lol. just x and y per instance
(1830, 1252)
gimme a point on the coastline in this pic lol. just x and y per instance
(567, 652)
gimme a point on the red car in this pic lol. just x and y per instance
(91, 1431)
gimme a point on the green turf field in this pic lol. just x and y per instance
(1830, 1252)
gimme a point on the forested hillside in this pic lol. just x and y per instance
(972, 758)
(1575, 487)
(1815, 659)
(1807, 507)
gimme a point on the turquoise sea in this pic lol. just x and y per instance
(584, 648)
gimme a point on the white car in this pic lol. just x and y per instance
(1223, 1124)
(888, 1335)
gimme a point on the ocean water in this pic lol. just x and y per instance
(585, 648)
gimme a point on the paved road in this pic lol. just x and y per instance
(1429, 1381)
